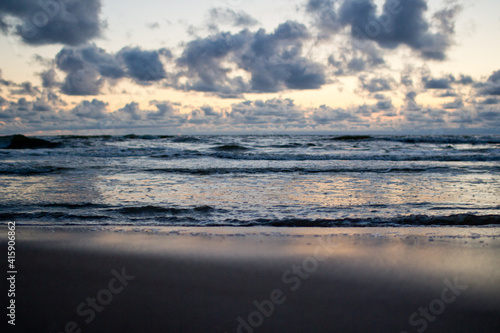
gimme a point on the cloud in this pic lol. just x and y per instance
(164, 109)
(273, 112)
(89, 67)
(401, 22)
(448, 93)
(465, 80)
(132, 110)
(490, 101)
(69, 22)
(231, 17)
(144, 65)
(384, 105)
(325, 115)
(273, 61)
(154, 25)
(376, 84)
(4, 82)
(49, 78)
(94, 109)
(411, 102)
(357, 65)
(491, 86)
(82, 82)
(456, 104)
(25, 88)
(325, 16)
(443, 83)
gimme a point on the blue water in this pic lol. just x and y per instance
(252, 180)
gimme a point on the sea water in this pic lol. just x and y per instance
(270, 180)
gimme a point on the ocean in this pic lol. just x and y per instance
(266, 180)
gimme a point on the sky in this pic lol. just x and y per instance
(95, 67)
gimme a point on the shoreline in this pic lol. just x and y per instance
(257, 279)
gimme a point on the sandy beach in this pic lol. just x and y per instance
(257, 279)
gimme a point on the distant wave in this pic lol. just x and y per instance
(230, 148)
(356, 157)
(27, 169)
(49, 216)
(256, 170)
(150, 209)
(169, 218)
(412, 220)
(22, 142)
(352, 138)
(445, 139)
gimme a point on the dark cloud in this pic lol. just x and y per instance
(448, 93)
(325, 16)
(456, 104)
(164, 109)
(4, 82)
(154, 25)
(203, 59)
(325, 115)
(82, 82)
(69, 22)
(144, 65)
(424, 117)
(446, 18)
(231, 17)
(443, 83)
(401, 22)
(89, 67)
(384, 105)
(273, 112)
(376, 84)
(411, 102)
(274, 62)
(90, 57)
(94, 109)
(491, 86)
(132, 110)
(25, 88)
(49, 78)
(357, 65)
(465, 80)
(491, 116)
(490, 101)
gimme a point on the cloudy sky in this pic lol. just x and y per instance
(249, 66)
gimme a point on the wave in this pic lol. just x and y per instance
(173, 219)
(49, 216)
(474, 140)
(214, 171)
(27, 170)
(355, 157)
(352, 138)
(230, 148)
(150, 209)
(402, 221)
(22, 142)
(186, 139)
(85, 205)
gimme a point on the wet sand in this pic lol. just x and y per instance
(75, 279)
